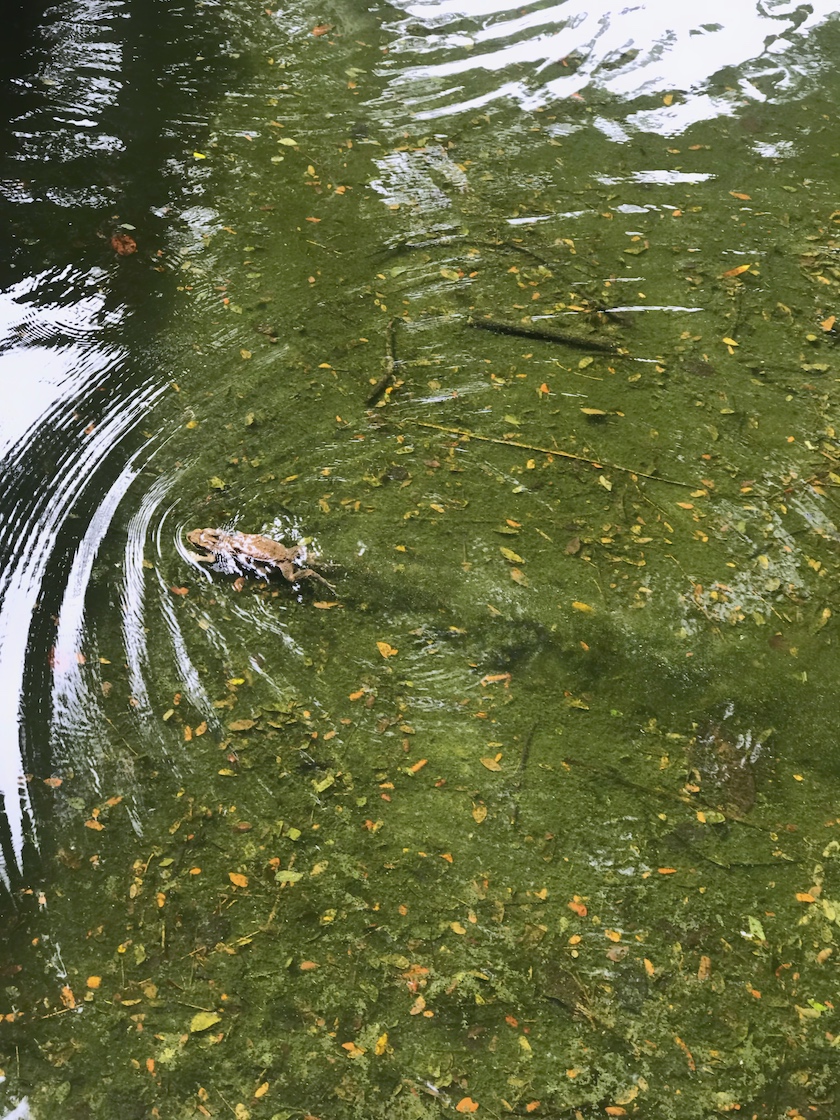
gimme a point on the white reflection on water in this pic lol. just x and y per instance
(627, 50)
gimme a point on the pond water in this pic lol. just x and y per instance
(521, 323)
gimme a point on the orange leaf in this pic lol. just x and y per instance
(53, 783)
(356, 695)
(307, 966)
(615, 1110)
(67, 997)
(827, 324)
(612, 934)
(578, 907)
(180, 590)
(418, 765)
(803, 896)
(386, 650)
(352, 1049)
(667, 870)
(97, 827)
(237, 879)
(93, 982)
(532, 1106)
(466, 1104)
(649, 969)
(741, 195)
(321, 29)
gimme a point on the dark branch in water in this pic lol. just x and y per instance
(579, 342)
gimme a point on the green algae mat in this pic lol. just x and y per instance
(537, 813)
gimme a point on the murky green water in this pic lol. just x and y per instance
(535, 814)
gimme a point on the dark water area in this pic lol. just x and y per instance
(527, 806)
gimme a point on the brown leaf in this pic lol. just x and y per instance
(242, 725)
(123, 244)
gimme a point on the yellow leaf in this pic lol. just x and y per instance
(456, 927)
(730, 341)
(381, 1045)
(479, 813)
(94, 824)
(581, 606)
(449, 274)
(386, 650)
(199, 155)
(490, 764)
(735, 271)
(510, 555)
(203, 1021)
(237, 879)
(261, 1090)
(612, 934)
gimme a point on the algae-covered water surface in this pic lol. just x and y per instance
(521, 324)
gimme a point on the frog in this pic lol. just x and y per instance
(253, 552)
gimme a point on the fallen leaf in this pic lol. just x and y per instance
(237, 879)
(261, 1090)
(123, 244)
(352, 1049)
(93, 982)
(739, 194)
(53, 783)
(704, 970)
(466, 1104)
(578, 907)
(479, 813)
(803, 896)
(308, 966)
(828, 324)
(490, 764)
(203, 1021)
(386, 650)
(381, 1045)
(578, 606)
(321, 29)
(242, 725)
(510, 555)
(735, 271)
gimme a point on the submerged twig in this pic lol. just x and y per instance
(580, 342)
(600, 464)
(389, 363)
(520, 771)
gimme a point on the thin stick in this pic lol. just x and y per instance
(389, 363)
(600, 464)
